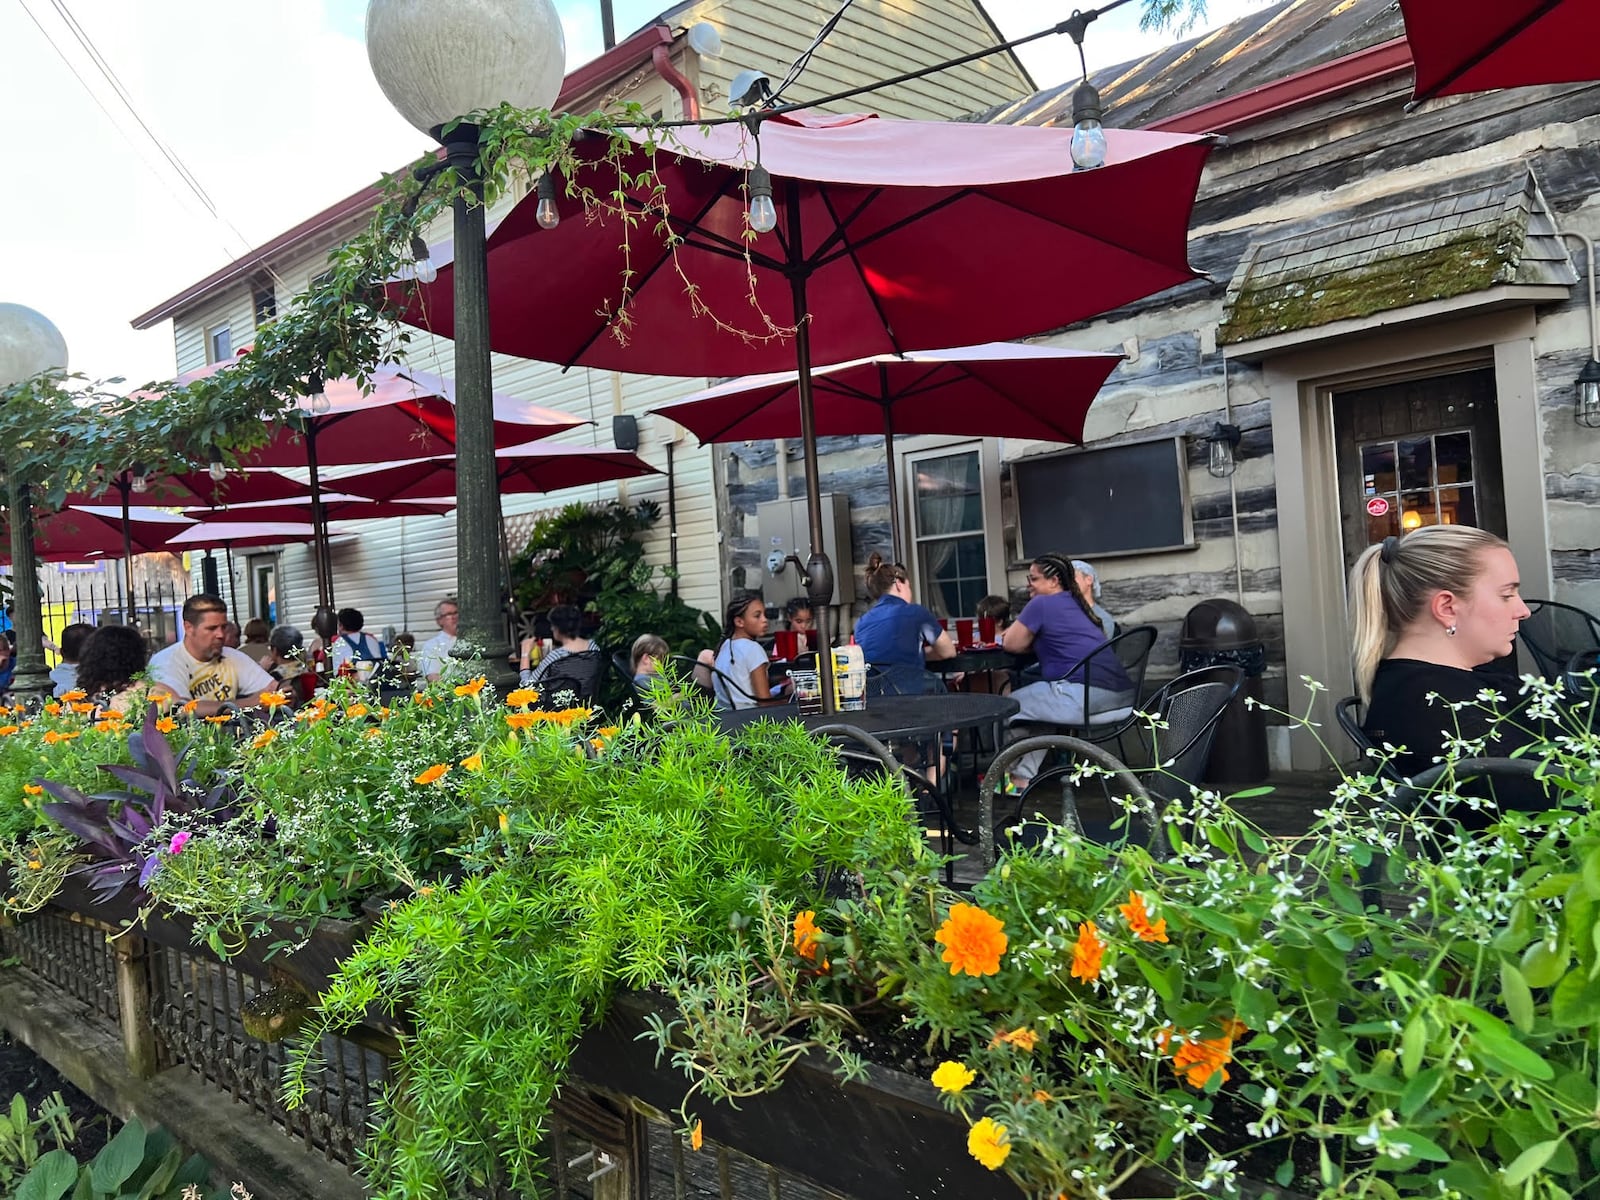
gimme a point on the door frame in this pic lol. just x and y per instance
(1299, 385)
(907, 450)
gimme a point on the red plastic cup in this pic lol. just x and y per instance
(812, 639)
(787, 644)
(986, 629)
(944, 624)
(964, 631)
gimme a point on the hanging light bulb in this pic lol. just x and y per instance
(320, 404)
(421, 263)
(1088, 136)
(217, 470)
(763, 213)
(547, 214)
(138, 480)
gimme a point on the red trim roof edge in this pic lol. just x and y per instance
(1304, 87)
(586, 78)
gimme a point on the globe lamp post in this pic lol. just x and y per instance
(29, 345)
(434, 66)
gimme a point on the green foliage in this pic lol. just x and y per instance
(23, 1134)
(588, 555)
(608, 868)
(149, 1165)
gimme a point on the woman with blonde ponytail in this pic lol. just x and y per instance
(1427, 609)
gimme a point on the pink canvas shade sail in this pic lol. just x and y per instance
(77, 533)
(906, 235)
(530, 468)
(215, 535)
(336, 506)
(1001, 389)
(1464, 46)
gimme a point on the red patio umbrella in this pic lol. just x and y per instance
(889, 236)
(1000, 389)
(92, 531)
(532, 467)
(336, 506)
(1478, 45)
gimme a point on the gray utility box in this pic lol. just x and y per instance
(782, 528)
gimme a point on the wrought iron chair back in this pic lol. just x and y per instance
(1554, 633)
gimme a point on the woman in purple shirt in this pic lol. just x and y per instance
(1060, 629)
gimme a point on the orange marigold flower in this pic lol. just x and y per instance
(5, 710)
(74, 694)
(973, 940)
(265, 738)
(805, 934)
(274, 699)
(473, 686)
(51, 737)
(110, 725)
(696, 1137)
(987, 1142)
(433, 774)
(521, 720)
(1023, 1038)
(373, 735)
(190, 706)
(356, 710)
(8, 730)
(33, 789)
(53, 709)
(424, 700)
(1087, 953)
(606, 731)
(522, 697)
(1042, 1096)
(1233, 1028)
(166, 724)
(83, 708)
(221, 719)
(1138, 918)
(1197, 1060)
(473, 762)
(505, 823)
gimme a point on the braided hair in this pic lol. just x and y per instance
(1059, 567)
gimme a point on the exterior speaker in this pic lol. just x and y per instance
(208, 576)
(625, 431)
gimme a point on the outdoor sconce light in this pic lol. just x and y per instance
(1587, 406)
(547, 214)
(421, 262)
(763, 212)
(1088, 136)
(1221, 460)
(217, 470)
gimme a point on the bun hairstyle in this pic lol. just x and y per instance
(1059, 568)
(1392, 581)
(881, 576)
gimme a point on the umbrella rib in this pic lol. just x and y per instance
(850, 247)
(841, 233)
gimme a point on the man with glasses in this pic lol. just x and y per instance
(433, 656)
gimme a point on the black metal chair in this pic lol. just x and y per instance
(1554, 633)
(694, 667)
(1175, 751)
(1581, 678)
(1129, 651)
(1090, 777)
(1348, 713)
(573, 679)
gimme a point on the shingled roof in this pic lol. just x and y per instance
(1481, 233)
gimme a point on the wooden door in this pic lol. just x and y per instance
(1422, 452)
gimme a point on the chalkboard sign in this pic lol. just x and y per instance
(1128, 499)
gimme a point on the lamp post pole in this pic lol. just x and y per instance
(435, 67)
(29, 346)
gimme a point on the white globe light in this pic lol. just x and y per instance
(436, 62)
(29, 344)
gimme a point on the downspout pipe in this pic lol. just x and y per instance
(661, 59)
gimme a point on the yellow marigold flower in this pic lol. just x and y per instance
(83, 708)
(51, 737)
(265, 738)
(383, 713)
(34, 864)
(606, 731)
(522, 697)
(166, 724)
(221, 719)
(33, 789)
(987, 1142)
(473, 762)
(1023, 1038)
(424, 891)
(953, 1077)
(505, 823)
(473, 686)
(356, 710)
(433, 774)
(1139, 922)
(8, 730)
(973, 940)
(75, 694)
(274, 699)
(53, 709)
(805, 934)
(1087, 953)
(696, 1137)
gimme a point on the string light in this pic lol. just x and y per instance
(547, 214)
(138, 480)
(421, 261)
(217, 470)
(763, 214)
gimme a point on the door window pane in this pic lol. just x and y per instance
(1416, 463)
(1377, 467)
(1458, 506)
(951, 547)
(1454, 452)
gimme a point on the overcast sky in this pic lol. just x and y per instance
(271, 109)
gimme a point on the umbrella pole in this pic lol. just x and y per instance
(233, 583)
(319, 524)
(888, 462)
(124, 485)
(819, 572)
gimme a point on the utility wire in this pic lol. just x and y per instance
(799, 65)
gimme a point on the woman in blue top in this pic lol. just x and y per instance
(1059, 627)
(899, 637)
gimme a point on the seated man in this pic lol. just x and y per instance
(353, 649)
(200, 668)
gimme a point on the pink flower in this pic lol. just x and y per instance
(179, 841)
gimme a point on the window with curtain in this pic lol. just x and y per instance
(947, 514)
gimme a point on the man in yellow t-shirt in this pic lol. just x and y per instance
(201, 668)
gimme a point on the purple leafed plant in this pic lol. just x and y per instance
(113, 827)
